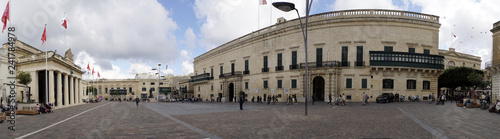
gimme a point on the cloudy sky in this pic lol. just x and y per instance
(120, 38)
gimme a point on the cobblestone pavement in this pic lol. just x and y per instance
(113, 120)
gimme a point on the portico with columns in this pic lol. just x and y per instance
(64, 76)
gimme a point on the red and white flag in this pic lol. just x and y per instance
(98, 75)
(454, 35)
(262, 2)
(44, 35)
(88, 66)
(92, 71)
(166, 66)
(63, 22)
(5, 16)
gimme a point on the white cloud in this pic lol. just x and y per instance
(363, 4)
(225, 20)
(187, 62)
(107, 30)
(190, 38)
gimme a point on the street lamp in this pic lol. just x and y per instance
(286, 7)
(158, 94)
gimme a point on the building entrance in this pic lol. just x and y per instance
(318, 88)
(231, 92)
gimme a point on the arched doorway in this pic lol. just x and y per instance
(231, 92)
(318, 88)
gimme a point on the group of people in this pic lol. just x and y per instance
(496, 107)
(44, 108)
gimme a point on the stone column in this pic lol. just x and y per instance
(71, 90)
(34, 87)
(77, 90)
(66, 89)
(59, 89)
(51, 87)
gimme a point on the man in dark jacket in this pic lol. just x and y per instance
(137, 102)
(241, 102)
(330, 98)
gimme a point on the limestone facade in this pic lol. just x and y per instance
(453, 58)
(349, 52)
(3, 77)
(139, 87)
(64, 77)
(493, 66)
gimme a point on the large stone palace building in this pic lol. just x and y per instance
(493, 66)
(65, 86)
(350, 52)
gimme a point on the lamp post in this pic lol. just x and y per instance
(158, 94)
(286, 7)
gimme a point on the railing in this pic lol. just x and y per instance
(345, 64)
(230, 74)
(359, 63)
(265, 69)
(405, 59)
(201, 77)
(279, 68)
(334, 15)
(246, 72)
(324, 64)
(296, 66)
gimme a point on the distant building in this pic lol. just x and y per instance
(453, 59)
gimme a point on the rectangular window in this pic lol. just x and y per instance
(280, 83)
(265, 62)
(152, 89)
(344, 53)
(364, 83)
(388, 84)
(246, 65)
(319, 57)
(130, 89)
(212, 87)
(246, 85)
(426, 85)
(427, 51)
(411, 50)
(221, 70)
(359, 56)
(161, 83)
(232, 68)
(221, 87)
(348, 83)
(152, 83)
(265, 84)
(410, 84)
(294, 83)
(388, 48)
(143, 83)
(144, 89)
(211, 72)
(106, 89)
(280, 60)
(294, 57)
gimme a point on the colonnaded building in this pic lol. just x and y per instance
(66, 86)
(350, 52)
(493, 66)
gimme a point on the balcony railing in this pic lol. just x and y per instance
(296, 66)
(279, 68)
(265, 69)
(323, 64)
(405, 59)
(230, 74)
(359, 63)
(246, 72)
(345, 63)
(201, 77)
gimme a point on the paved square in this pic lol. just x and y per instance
(225, 120)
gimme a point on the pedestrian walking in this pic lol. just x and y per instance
(330, 98)
(241, 102)
(313, 98)
(343, 99)
(137, 102)
(363, 98)
(430, 98)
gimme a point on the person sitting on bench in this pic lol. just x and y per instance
(49, 109)
(495, 107)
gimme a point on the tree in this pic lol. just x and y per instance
(24, 79)
(461, 77)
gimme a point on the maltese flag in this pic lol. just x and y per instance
(63, 22)
(262, 2)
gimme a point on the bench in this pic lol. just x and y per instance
(24, 112)
(460, 104)
(474, 106)
(2, 117)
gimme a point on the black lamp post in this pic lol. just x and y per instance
(286, 7)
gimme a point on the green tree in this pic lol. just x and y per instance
(463, 77)
(24, 79)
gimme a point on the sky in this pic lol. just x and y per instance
(120, 38)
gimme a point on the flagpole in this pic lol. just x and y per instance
(46, 67)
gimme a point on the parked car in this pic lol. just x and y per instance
(385, 97)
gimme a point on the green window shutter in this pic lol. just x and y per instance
(359, 53)
(232, 68)
(265, 62)
(388, 48)
(364, 83)
(294, 57)
(427, 51)
(246, 85)
(344, 54)
(280, 83)
(294, 83)
(265, 84)
(279, 59)
(411, 50)
(221, 70)
(319, 57)
(348, 82)
(246, 65)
